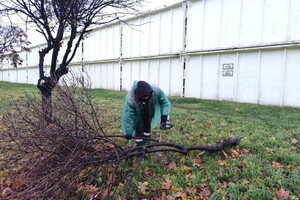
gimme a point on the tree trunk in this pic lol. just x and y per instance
(46, 85)
(46, 105)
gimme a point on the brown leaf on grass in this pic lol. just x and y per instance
(235, 153)
(243, 151)
(142, 187)
(189, 190)
(149, 173)
(91, 191)
(223, 163)
(225, 154)
(6, 191)
(244, 163)
(276, 165)
(203, 192)
(161, 197)
(209, 122)
(171, 165)
(294, 141)
(281, 193)
(167, 184)
(191, 120)
(180, 195)
(104, 193)
(197, 162)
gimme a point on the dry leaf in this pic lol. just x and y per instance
(294, 141)
(143, 187)
(167, 184)
(276, 165)
(281, 193)
(90, 190)
(188, 190)
(197, 162)
(225, 154)
(223, 163)
(6, 192)
(171, 165)
(244, 163)
(176, 188)
(235, 153)
(191, 120)
(243, 151)
(203, 192)
(185, 168)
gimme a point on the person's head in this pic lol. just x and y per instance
(143, 90)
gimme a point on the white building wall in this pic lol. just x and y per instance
(233, 50)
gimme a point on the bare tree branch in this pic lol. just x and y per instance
(61, 159)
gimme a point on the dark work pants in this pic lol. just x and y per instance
(147, 113)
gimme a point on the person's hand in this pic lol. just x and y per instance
(128, 136)
(165, 123)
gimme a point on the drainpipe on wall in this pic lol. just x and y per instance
(121, 55)
(183, 52)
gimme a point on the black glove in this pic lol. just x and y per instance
(165, 123)
(128, 137)
(163, 119)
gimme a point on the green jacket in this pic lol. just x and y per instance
(132, 113)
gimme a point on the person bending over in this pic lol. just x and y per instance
(145, 106)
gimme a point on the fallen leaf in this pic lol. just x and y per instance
(188, 190)
(294, 141)
(276, 165)
(244, 163)
(189, 176)
(223, 163)
(281, 193)
(6, 192)
(185, 168)
(191, 120)
(203, 192)
(174, 188)
(171, 165)
(142, 187)
(235, 153)
(90, 190)
(245, 181)
(225, 154)
(197, 162)
(243, 151)
(181, 195)
(167, 184)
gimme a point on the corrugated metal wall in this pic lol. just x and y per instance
(234, 50)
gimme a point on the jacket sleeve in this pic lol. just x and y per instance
(128, 118)
(165, 105)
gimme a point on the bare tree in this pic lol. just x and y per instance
(56, 19)
(12, 39)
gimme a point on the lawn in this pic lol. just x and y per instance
(265, 165)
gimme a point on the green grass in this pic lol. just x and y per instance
(268, 157)
(11, 91)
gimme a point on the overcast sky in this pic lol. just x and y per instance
(152, 4)
(36, 38)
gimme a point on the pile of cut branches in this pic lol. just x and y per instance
(65, 158)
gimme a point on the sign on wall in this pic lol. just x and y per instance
(227, 70)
